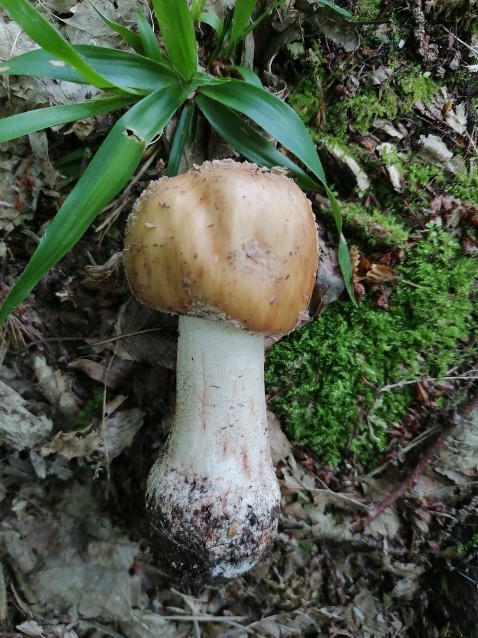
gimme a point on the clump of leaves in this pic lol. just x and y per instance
(327, 380)
(153, 85)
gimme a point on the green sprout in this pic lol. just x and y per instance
(153, 85)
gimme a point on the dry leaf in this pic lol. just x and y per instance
(31, 628)
(365, 271)
(71, 559)
(380, 274)
(55, 386)
(19, 428)
(354, 254)
(109, 373)
(108, 438)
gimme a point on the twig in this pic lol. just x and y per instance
(99, 342)
(417, 441)
(3, 597)
(230, 620)
(400, 384)
(191, 603)
(422, 464)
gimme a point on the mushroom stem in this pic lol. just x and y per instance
(213, 497)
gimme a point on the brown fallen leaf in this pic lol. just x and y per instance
(368, 272)
(380, 274)
(109, 373)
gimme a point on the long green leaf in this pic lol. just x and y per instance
(182, 137)
(24, 123)
(242, 14)
(261, 17)
(44, 34)
(212, 20)
(148, 38)
(248, 142)
(177, 29)
(223, 37)
(128, 70)
(196, 9)
(271, 114)
(130, 37)
(337, 9)
(107, 173)
(205, 79)
(343, 251)
(248, 74)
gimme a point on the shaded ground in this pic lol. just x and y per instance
(87, 375)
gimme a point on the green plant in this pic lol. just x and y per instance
(344, 379)
(154, 85)
(91, 409)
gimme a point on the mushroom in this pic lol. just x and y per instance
(232, 249)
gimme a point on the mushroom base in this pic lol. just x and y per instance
(213, 498)
(202, 546)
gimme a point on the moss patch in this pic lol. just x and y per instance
(376, 227)
(396, 96)
(326, 379)
(90, 410)
(367, 9)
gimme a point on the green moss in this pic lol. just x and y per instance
(422, 178)
(91, 409)
(369, 105)
(465, 185)
(305, 102)
(307, 548)
(375, 227)
(367, 9)
(469, 546)
(397, 96)
(416, 85)
(326, 378)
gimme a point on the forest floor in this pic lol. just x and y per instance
(378, 534)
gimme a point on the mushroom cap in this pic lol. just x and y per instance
(225, 240)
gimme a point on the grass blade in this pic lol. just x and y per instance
(271, 114)
(212, 20)
(262, 17)
(182, 137)
(130, 37)
(45, 35)
(248, 74)
(242, 14)
(128, 70)
(177, 29)
(148, 38)
(331, 5)
(107, 173)
(24, 123)
(248, 142)
(343, 251)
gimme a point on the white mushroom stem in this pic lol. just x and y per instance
(213, 496)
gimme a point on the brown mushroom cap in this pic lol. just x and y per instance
(226, 240)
